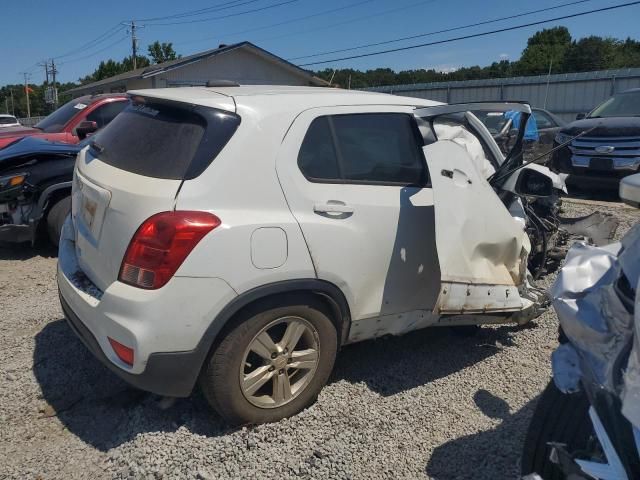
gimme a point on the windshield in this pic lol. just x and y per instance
(55, 122)
(620, 105)
(8, 120)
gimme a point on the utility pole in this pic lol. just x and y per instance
(45, 64)
(26, 91)
(134, 41)
(6, 104)
(55, 88)
(546, 92)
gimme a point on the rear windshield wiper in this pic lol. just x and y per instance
(96, 146)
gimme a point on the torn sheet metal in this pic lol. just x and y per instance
(597, 322)
(598, 227)
(478, 241)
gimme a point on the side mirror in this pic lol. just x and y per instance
(85, 128)
(580, 116)
(532, 183)
(630, 190)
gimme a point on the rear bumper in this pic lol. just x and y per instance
(164, 327)
(172, 374)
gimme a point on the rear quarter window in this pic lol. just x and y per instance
(166, 140)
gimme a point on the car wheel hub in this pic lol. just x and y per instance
(280, 362)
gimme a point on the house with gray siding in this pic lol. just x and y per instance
(243, 63)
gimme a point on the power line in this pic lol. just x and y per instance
(354, 20)
(265, 27)
(96, 52)
(475, 35)
(411, 37)
(245, 12)
(101, 38)
(201, 11)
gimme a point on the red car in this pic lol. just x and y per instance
(73, 121)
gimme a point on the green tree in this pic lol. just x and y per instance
(162, 52)
(543, 48)
(591, 53)
(109, 68)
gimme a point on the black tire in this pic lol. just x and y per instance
(56, 217)
(220, 380)
(560, 418)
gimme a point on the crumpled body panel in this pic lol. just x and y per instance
(478, 240)
(598, 324)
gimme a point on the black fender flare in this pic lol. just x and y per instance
(330, 292)
(44, 198)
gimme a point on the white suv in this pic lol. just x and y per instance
(242, 235)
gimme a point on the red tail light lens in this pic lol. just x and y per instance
(160, 246)
(123, 352)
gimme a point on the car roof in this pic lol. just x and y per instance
(276, 98)
(6, 115)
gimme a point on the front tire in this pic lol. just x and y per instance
(273, 361)
(559, 418)
(56, 217)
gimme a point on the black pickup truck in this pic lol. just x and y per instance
(610, 148)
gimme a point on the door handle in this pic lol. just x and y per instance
(332, 207)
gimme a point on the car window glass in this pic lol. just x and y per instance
(543, 120)
(178, 142)
(55, 122)
(380, 148)
(105, 113)
(317, 157)
(621, 105)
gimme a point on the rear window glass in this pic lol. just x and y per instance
(164, 140)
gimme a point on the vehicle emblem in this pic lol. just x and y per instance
(605, 149)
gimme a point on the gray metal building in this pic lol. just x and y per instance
(243, 62)
(564, 94)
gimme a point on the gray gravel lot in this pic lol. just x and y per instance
(427, 405)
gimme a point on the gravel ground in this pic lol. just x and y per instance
(427, 405)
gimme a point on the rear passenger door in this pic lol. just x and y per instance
(357, 183)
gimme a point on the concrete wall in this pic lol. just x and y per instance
(566, 94)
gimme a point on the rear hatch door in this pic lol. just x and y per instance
(133, 169)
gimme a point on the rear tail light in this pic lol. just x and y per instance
(123, 352)
(160, 246)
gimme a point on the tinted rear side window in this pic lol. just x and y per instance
(317, 158)
(381, 147)
(378, 148)
(165, 140)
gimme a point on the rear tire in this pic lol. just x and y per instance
(56, 217)
(560, 418)
(225, 380)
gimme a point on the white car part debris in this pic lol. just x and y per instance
(566, 369)
(596, 319)
(613, 469)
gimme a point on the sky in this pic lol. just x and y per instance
(37, 30)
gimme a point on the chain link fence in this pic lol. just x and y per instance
(29, 122)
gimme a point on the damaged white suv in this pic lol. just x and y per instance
(242, 235)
